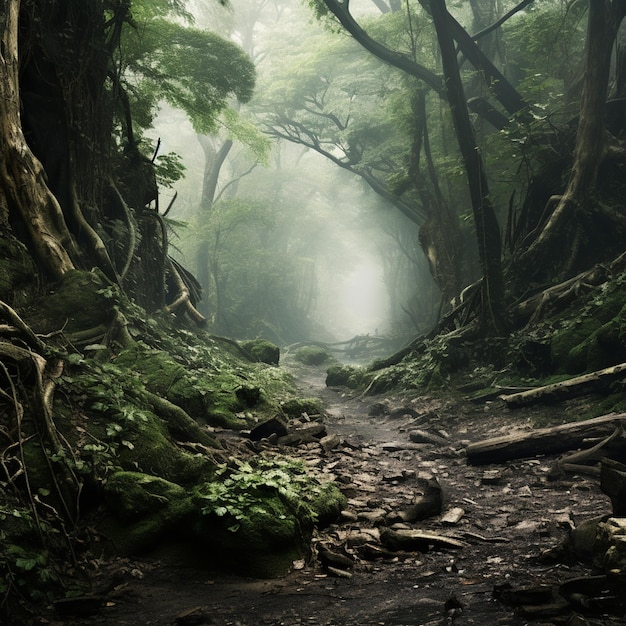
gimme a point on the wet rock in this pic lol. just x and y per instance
(274, 426)
(372, 552)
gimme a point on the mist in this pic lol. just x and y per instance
(295, 248)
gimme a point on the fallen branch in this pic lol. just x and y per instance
(580, 385)
(544, 441)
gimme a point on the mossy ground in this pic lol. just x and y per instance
(136, 406)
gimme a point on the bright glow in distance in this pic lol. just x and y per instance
(362, 300)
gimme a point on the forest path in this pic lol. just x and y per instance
(511, 515)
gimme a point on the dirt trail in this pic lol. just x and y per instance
(511, 516)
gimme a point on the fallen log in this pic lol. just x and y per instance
(544, 441)
(580, 385)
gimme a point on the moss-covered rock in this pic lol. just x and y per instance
(141, 509)
(296, 407)
(312, 355)
(148, 446)
(327, 504)
(344, 376)
(165, 377)
(595, 339)
(264, 542)
(263, 350)
(80, 301)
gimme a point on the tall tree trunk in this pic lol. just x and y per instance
(486, 223)
(22, 180)
(214, 160)
(562, 230)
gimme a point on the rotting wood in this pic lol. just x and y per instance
(580, 385)
(544, 441)
(587, 461)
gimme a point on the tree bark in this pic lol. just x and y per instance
(604, 19)
(502, 89)
(543, 440)
(580, 385)
(486, 223)
(22, 180)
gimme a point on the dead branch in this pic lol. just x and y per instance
(580, 385)
(183, 296)
(544, 441)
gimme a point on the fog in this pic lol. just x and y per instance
(295, 247)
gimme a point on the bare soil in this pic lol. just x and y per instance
(513, 519)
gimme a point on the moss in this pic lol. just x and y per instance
(263, 350)
(142, 509)
(344, 376)
(327, 504)
(592, 343)
(296, 407)
(312, 355)
(80, 301)
(153, 451)
(164, 377)
(264, 543)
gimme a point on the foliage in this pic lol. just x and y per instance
(194, 70)
(240, 490)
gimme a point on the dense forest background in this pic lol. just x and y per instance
(181, 182)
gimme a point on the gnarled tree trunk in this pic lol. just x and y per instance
(23, 190)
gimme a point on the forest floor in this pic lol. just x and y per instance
(512, 517)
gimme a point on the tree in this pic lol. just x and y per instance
(485, 221)
(82, 68)
(564, 228)
(450, 88)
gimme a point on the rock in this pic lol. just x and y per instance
(541, 594)
(348, 517)
(491, 477)
(613, 484)
(371, 552)
(329, 442)
(582, 539)
(610, 546)
(452, 516)
(263, 351)
(248, 395)
(426, 504)
(421, 436)
(329, 558)
(274, 426)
